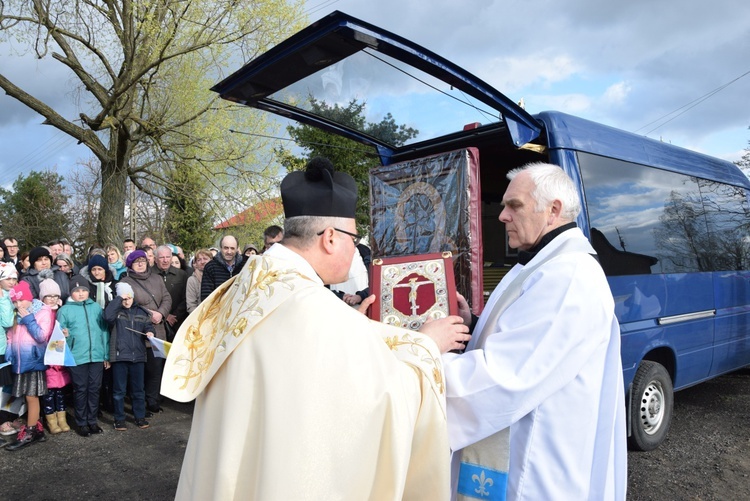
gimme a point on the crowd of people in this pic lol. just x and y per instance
(106, 310)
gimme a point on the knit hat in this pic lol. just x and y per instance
(136, 254)
(79, 282)
(8, 270)
(319, 191)
(124, 289)
(48, 287)
(97, 260)
(21, 291)
(38, 252)
(250, 246)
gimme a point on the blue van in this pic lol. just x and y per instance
(671, 226)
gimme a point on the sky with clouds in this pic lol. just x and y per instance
(678, 70)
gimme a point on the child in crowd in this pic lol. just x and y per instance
(82, 322)
(27, 341)
(127, 345)
(8, 278)
(53, 403)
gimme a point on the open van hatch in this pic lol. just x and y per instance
(339, 59)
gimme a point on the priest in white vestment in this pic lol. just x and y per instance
(299, 396)
(543, 361)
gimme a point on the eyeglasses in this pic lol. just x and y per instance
(356, 238)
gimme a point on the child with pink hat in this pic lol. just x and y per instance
(27, 341)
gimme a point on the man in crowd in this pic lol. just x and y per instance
(12, 245)
(148, 243)
(56, 247)
(271, 235)
(542, 372)
(128, 245)
(176, 281)
(291, 382)
(225, 265)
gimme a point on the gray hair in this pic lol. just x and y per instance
(162, 247)
(303, 230)
(551, 183)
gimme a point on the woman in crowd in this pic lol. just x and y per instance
(23, 264)
(151, 293)
(193, 290)
(40, 259)
(65, 264)
(116, 263)
(100, 276)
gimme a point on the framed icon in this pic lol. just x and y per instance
(412, 289)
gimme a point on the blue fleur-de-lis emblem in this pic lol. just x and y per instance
(483, 482)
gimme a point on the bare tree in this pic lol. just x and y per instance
(144, 67)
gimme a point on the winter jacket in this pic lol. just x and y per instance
(151, 293)
(124, 344)
(193, 291)
(6, 318)
(217, 272)
(175, 280)
(62, 279)
(57, 375)
(88, 338)
(27, 340)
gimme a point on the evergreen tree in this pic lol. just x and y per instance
(346, 155)
(33, 211)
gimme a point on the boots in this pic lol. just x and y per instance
(52, 424)
(25, 437)
(39, 432)
(61, 421)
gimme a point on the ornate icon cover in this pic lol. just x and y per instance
(432, 205)
(412, 289)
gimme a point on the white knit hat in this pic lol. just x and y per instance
(8, 270)
(124, 289)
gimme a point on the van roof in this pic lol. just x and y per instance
(570, 132)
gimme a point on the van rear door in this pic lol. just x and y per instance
(339, 59)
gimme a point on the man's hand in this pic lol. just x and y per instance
(352, 299)
(463, 309)
(449, 333)
(171, 319)
(362, 308)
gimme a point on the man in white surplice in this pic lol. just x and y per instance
(546, 362)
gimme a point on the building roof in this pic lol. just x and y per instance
(261, 211)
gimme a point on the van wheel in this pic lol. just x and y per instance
(651, 407)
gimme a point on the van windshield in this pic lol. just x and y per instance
(385, 86)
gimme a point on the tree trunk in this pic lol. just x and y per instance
(114, 191)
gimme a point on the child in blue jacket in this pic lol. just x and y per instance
(82, 322)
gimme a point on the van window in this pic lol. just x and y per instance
(647, 220)
(727, 210)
